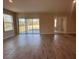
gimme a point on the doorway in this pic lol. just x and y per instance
(60, 24)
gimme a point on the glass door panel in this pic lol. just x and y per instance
(36, 25)
(29, 26)
(21, 25)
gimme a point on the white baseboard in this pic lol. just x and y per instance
(60, 33)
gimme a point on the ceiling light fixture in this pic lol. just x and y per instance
(74, 1)
(10, 1)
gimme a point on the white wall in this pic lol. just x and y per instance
(46, 24)
(71, 24)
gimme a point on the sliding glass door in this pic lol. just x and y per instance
(29, 25)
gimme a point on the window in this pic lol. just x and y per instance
(36, 24)
(8, 22)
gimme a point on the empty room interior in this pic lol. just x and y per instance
(39, 29)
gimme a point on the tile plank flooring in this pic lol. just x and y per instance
(36, 46)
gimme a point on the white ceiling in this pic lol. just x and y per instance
(38, 5)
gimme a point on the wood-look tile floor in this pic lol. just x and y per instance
(36, 46)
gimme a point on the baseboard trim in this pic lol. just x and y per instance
(51, 33)
(60, 33)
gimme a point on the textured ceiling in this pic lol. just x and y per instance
(29, 6)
